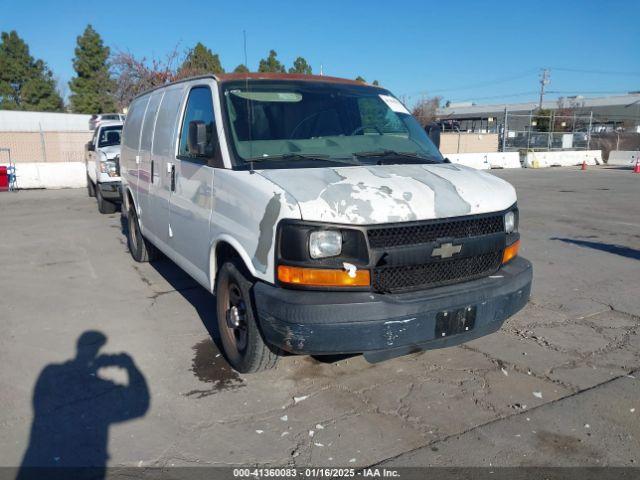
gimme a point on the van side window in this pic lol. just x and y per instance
(164, 142)
(198, 115)
(134, 122)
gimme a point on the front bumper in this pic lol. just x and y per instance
(387, 325)
(111, 191)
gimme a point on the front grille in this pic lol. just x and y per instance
(430, 232)
(415, 277)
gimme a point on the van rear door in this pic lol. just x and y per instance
(163, 152)
(147, 167)
(130, 148)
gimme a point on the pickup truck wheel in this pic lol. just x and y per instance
(91, 188)
(242, 342)
(105, 206)
(142, 250)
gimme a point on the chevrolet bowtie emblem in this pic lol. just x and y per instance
(446, 250)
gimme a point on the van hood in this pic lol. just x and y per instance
(110, 151)
(365, 195)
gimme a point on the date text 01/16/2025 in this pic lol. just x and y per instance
(315, 472)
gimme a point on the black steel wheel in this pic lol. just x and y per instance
(141, 249)
(242, 342)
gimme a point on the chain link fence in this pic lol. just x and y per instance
(536, 131)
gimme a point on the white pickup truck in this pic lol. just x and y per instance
(321, 216)
(102, 159)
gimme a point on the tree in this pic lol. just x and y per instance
(137, 75)
(92, 88)
(271, 64)
(360, 79)
(242, 68)
(564, 114)
(200, 61)
(376, 83)
(300, 65)
(543, 120)
(25, 83)
(426, 109)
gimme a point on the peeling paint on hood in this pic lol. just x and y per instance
(392, 193)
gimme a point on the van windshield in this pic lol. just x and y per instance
(296, 124)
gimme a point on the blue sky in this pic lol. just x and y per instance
(488, 51)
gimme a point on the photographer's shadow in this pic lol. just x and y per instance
(74, 407)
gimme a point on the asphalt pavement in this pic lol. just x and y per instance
(107, 362)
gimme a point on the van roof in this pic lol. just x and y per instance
(230, 77)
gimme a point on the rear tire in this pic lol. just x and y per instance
(104, 206)
(142, 250)
(242, 342)
(91, 188)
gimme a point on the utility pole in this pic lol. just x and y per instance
(544, 80)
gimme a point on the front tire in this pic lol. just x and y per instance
(142, 250)
(242, 342)
(104, 206)
(91, 188)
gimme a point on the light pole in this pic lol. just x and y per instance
(544, 80)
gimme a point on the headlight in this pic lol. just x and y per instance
(510, 222)
(325, 243)
(109, 167)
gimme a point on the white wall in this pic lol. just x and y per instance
(14, 121)
(565, 158)
(51, 175)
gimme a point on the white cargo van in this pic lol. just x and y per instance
(321, 216)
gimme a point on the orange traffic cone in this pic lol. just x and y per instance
(584, 165)
(636, 169)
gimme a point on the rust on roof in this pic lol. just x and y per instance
(226, 77)
(229, 77)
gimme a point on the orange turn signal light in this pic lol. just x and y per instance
(323, 277)
(511, 252)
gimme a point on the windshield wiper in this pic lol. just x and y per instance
(383, 155)
(302, 156)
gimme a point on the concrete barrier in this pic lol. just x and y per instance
(565, 158)
(623, 158)
(51, 175)
(485, 161)
(504, 159)
(474, 160)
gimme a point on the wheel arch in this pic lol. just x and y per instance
(128, 199)
(225, 247)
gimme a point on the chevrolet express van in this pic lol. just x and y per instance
(321, 216)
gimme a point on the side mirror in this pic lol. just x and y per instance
(197, 138)
(91, 147)
(433, 130)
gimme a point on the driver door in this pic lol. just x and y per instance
(191, 200)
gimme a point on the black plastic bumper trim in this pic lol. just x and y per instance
(355, 322)
(111, 190)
